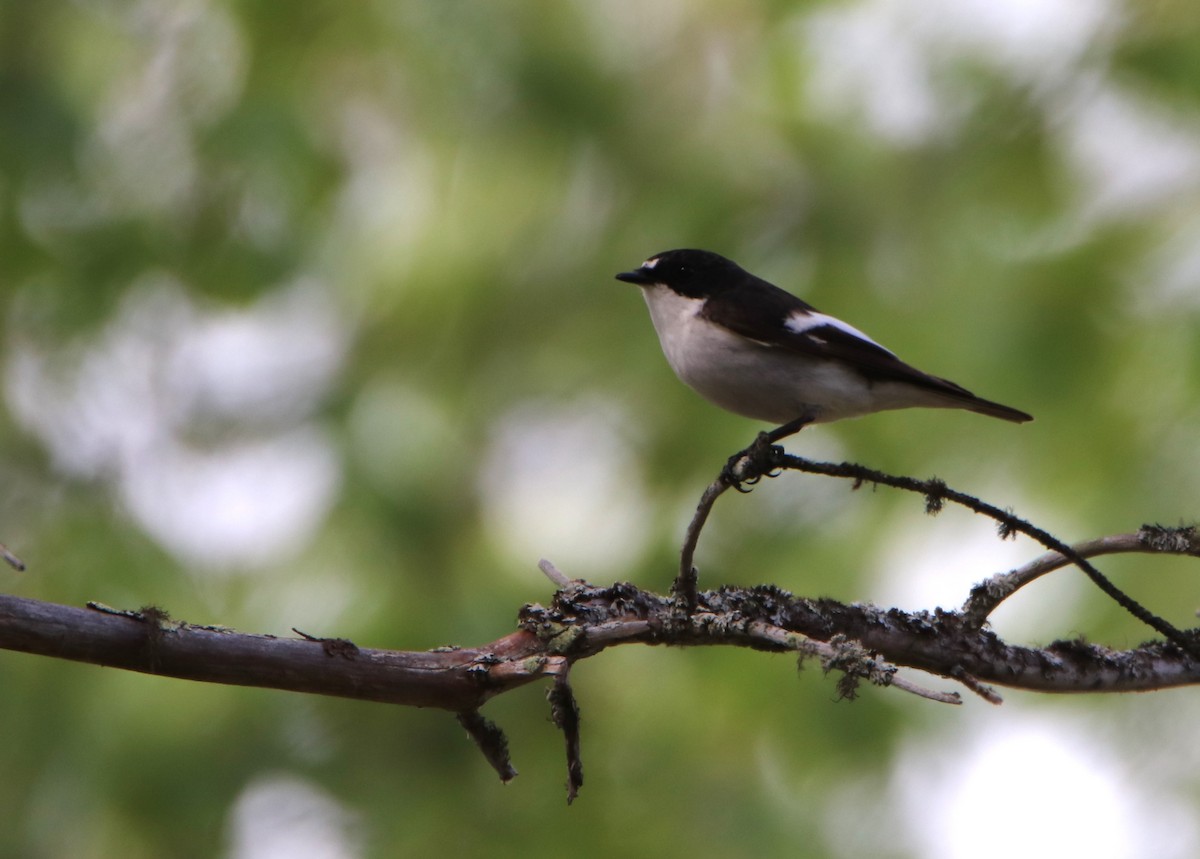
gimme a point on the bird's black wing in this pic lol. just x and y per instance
(764, 320)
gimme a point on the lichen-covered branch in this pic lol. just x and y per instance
(857, 642)
(582, 621)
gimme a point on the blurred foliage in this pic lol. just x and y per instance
(457, 182)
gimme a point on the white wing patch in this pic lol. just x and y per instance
(805, 320)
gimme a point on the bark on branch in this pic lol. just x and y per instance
(858, 642)
(149, 641)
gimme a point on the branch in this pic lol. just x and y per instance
(11, 559)
(763, 460)
(746, 467)
(1150, 539)
(582, 621)
(565, 713)
(491, 741)
(859, 642)
(687, 581)
(148, 641)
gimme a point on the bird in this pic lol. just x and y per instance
(758, 351)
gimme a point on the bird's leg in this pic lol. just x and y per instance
(758, 460)
(790, 428)
(747, 466)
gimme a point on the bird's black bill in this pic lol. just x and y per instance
(639, 277)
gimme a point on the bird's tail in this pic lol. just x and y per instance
(995, 410)
(959, 397)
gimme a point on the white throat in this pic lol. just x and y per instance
(674, 316)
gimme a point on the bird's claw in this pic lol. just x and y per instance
(747, 467)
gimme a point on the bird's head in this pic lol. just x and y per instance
(693, 273)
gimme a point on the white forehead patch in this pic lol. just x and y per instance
(650, 263)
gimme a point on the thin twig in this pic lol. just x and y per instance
(904, 685)
(11, 559)
(686, 582)
(987, 596)
(553, 573)
(491, 741)
(564, 710)
(802, 644)
(984, 691)
(937, 493)
(745, 466)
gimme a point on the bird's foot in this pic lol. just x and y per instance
(746, 467)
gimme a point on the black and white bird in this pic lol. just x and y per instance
(751, 348)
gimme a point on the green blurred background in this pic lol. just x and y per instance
(309, 320)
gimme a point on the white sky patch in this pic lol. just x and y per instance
(805, 320)
(200, 417)
(285, 817)
(1033, 787)
(993, 783)
(882, 61)
(1128, 155)
(560, 481)
(867, 67)
(248, 502)
(272, 361)
(891, 64)
(186, 68)
(931, 563)
(928, 563)
(1038, 42)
